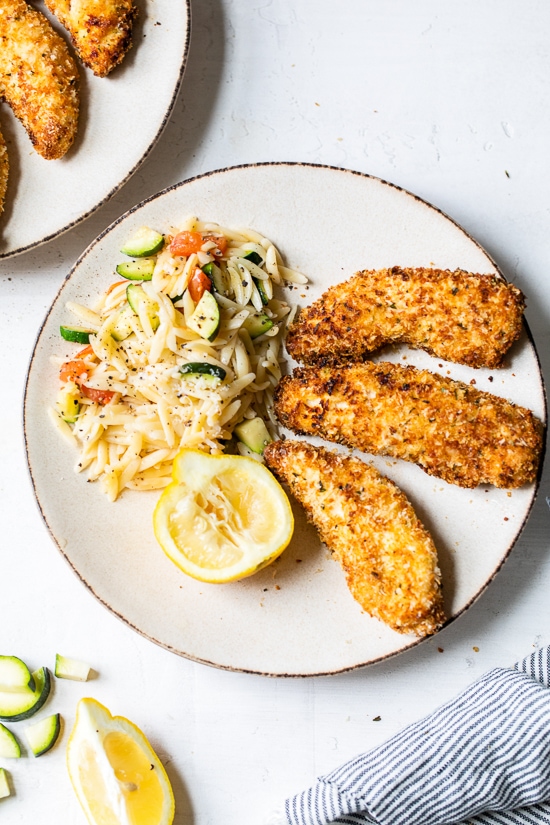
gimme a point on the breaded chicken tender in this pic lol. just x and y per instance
(451, 430)
(459, 316)
(4, 171)
(371, 528)
(100, 30)
(38, 78)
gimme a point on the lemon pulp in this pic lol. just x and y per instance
(137, 776)
(223, 517)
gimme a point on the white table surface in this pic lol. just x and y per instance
(446, 99)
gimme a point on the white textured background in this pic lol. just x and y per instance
(447, 99)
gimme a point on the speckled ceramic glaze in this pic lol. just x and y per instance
(297, 616)
(121, 118)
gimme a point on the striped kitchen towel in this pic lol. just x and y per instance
(481, 759)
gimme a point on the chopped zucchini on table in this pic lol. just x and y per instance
(137, 270)
(67, 668)
(9, 746)
(14, 674)
(254, 434)
(205, 320)
(4, 784)
(22, 703)
(143, 243)
(77, 335)
(43, 735)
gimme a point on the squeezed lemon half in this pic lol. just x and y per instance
(117, 776)
(223, 518)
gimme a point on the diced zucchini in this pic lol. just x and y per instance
(9, 746)
(67, 668)
(68, 402)
(205, 320)
(253, 433)
(122, 324)
(261, 289)
(215, 274)
(138, 299)
(43, 735)
(257, 324)
(77, 335)
(16, 705)
(201, 368)
(137, 270)
(14, 675)
(143, 242)
(4, 784)
(254, 257)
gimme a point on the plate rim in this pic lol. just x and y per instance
(12, 253)
(411, 644)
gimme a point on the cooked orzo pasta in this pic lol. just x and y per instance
(178, 354)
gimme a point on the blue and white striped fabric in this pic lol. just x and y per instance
(481, 759)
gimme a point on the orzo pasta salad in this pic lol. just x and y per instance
(183, 350)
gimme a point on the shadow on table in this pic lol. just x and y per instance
(184, 810)
(172, 158)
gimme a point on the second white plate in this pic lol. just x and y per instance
(121, 118)
(297, 616)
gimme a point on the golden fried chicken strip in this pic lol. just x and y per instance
(100, 30)
(4, 171)
(459, 316)
(451, 430)
(371, 528)
(38, 78)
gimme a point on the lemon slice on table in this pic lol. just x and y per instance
(115, 772)
(223, 517)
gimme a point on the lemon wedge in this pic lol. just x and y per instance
(115, 772)
(223, 517)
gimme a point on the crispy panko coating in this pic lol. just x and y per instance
(371, 528)
(100, 30)
(451, 430)
(459, 316)
(4, 171)
(38, 78)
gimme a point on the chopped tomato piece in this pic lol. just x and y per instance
(72, 370)
(199, 284)
(75, 370)
(185, 243)
(99, 396)
(221, 244)
(87, 351)
(113, 286)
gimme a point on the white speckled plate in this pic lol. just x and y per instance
(121, 118)
(297, 616)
